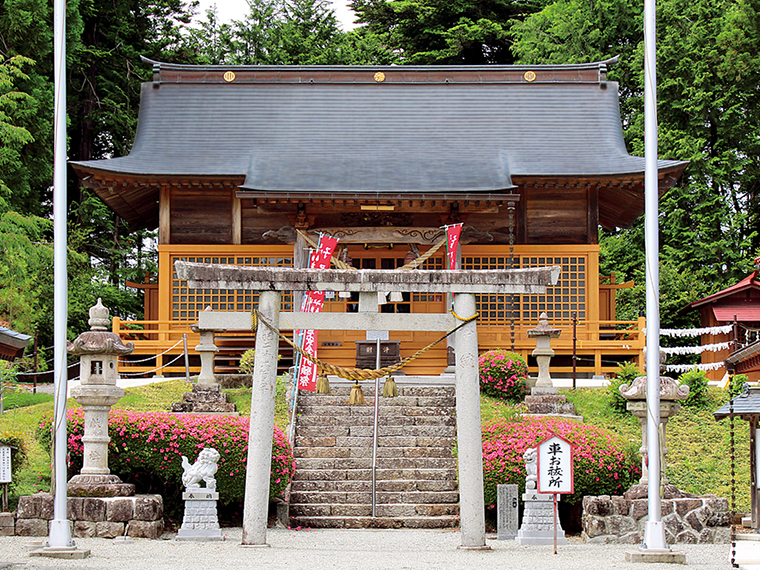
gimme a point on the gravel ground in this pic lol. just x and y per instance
(348, 550)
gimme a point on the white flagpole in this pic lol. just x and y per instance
(60, 533)
(654, 534)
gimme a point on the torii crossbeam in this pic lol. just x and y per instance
(270, 282)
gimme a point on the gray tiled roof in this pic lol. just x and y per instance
(357, 137)
(13, 338)
(743, 405)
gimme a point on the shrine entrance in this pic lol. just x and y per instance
(272, 282)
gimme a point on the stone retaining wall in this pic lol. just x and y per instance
(140, 516)
(686, 518)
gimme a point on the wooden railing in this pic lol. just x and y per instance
(600, 345)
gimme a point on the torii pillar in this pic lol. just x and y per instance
(271, 281)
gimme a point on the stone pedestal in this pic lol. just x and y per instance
(200, 522)
(138, 516)
(205, 399)
(547, 401)
(538, 521)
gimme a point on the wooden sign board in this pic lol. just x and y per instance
(5, 463)
(555, 466)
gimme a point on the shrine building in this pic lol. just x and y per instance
(236, 164)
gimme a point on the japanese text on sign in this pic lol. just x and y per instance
(555, 466)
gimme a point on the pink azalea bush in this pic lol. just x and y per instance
(147, 449)
(503, 375)
(603, 463)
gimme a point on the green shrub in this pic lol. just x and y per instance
(696, 380)
(603, 463)
(246, 361)
(737, 383)
(626, 374)
(503, 375)
(18, 452)
(147, 448)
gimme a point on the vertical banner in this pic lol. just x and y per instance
(452, 244)
(312, 303)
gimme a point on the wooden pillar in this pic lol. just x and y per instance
(237, 220)
(258, 465)
(164, 215)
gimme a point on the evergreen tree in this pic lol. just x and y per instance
(708, 93)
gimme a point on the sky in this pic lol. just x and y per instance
(236, 10)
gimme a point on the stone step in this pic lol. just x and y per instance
(566, 408)
(367, 441)
(382, 463)
(387, 411)
(418, 475)
(353, 486)
(368, 420)
(447, 521)
(546, 398)
(369, 390)
(365, 510)
(390, 403)
(359, 497)
(382, 431)
(382, 452)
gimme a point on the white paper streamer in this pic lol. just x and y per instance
(725, 329)
(687, 367)
(695, 349)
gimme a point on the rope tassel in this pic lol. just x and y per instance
(323, 384)
(390, 390)
(357, 396)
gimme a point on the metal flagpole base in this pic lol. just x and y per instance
(60, 544)
(654, 536)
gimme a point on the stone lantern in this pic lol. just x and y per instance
(543, 333)
(98, 350)
(670, 394)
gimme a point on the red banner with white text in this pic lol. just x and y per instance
(313, 303)
(452, 244)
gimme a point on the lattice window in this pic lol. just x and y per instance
(494, 309)
(186, 303)
(559, 302)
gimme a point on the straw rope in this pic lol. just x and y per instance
(355, 373)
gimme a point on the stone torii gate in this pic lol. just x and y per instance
(270, 282)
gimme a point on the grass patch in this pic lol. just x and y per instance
(13, 399)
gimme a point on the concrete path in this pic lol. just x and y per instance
(349, 550)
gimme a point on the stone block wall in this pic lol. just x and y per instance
(687, 519)
(140, 516)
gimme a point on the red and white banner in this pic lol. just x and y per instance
(452, 244)
(312, 303)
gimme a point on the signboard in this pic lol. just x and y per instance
(507, 522)
(5, 463)
(555, 466)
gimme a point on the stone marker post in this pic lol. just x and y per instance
(261, 427)
(507, 509)
(469, 428)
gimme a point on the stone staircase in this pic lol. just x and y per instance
(416, 469)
